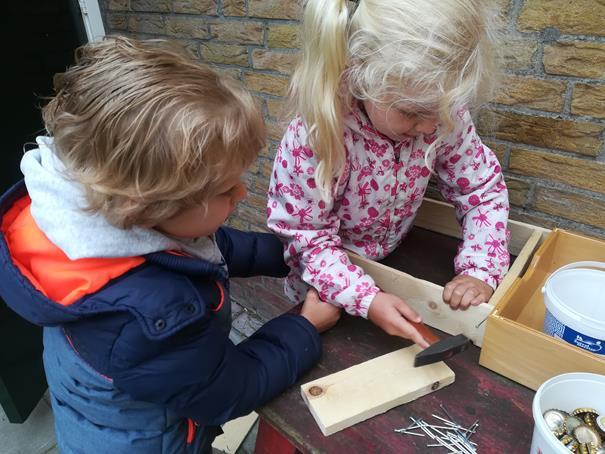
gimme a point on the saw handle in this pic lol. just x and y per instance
(425, 332)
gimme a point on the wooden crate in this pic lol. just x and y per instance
(426, 297)
(514, 344)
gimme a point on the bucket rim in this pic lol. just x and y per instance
(557, 306)
(539, 423)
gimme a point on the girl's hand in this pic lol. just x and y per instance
(464, 291)
(321, 315)
(390, 313)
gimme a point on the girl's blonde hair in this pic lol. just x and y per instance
(148, 131)
(433, 55)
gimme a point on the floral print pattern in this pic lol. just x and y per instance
(373, 205)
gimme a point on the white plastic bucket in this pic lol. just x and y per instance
(564, 392)
(574, 296)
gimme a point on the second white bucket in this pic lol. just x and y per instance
(564, 392)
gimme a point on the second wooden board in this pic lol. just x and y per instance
(427, 300)
(368, 389)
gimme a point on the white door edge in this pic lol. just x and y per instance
(93, 21)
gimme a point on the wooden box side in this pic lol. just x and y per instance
(514, 344)
(426, 297)
(526, 306)
(530, 357)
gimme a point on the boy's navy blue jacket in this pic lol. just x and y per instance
(159, 329)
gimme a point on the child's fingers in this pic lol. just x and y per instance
(455, 294)
(483, 295)
(408, 312)
(404, 329)
(409, 331)
(477, 300)
(470, 293)
(460, 298)
(448, 290)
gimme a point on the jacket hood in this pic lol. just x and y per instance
(55, 254)
(58, 207)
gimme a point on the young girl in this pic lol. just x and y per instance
(382, 92)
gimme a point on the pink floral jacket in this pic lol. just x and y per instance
(374, 203)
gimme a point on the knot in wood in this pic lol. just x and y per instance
(315, 390)
(435, 386)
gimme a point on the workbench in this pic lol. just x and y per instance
(502, 406)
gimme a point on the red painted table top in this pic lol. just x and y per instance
(502, 406)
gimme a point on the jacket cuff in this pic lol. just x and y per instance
(361, 304)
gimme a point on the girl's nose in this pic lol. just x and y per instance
(426, 126)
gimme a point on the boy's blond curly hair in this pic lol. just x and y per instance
(148, 131)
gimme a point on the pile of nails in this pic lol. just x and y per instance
(445, 433)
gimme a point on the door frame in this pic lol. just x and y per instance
(93, 21)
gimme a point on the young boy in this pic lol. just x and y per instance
(113, 243)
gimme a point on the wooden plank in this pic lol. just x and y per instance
(234, 433)
(426, 298)
(520, 233)
(368, 389)
(502, 406)
(441, 217)
(518, 267)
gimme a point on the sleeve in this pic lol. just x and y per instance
(309, 227)
(470, 177)
(251, 253)
(213, 382)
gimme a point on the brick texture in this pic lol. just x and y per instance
(576, 136)
(278, 61)
(237, 32)
(580, 173)
(234, 8)
(574, 207)
(580, 59)
(531, 92)
(282, 36)
(276, 9)
(546, 124)
(577, 17)
(588, 99)
(194, 6)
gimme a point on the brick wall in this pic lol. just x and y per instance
(547, 125)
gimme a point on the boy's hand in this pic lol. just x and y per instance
(321, 315)
(464, 291)
(390, 313)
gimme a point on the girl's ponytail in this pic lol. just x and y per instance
(315, 85)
